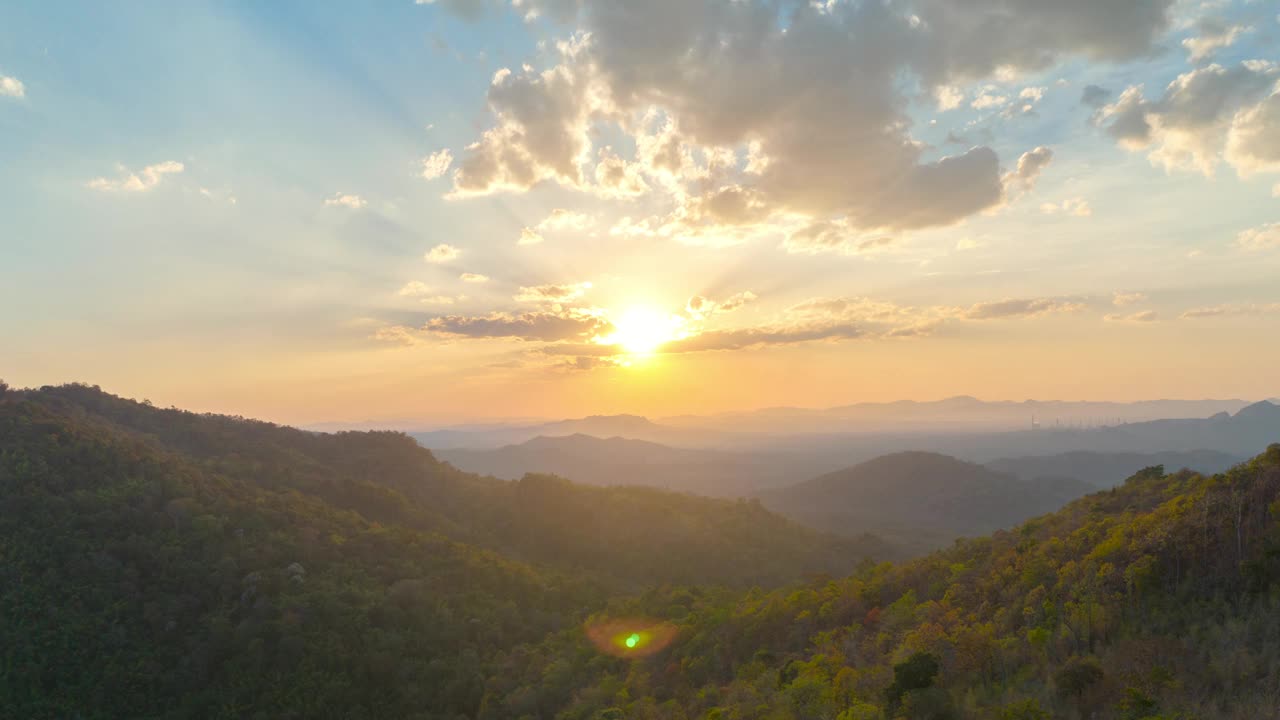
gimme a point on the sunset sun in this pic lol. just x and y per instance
(641, 330)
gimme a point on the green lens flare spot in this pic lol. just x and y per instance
(632, 640)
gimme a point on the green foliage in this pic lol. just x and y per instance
(1077, 676)
(916, 673)
(162, 564)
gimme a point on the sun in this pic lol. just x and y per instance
(641, 330)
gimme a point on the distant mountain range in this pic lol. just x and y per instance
(624, 461)
(955, 414)
(633, 427)
(1105, 470)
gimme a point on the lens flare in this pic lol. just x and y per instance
(630, 637)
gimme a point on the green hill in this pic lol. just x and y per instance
(160, 563)
(1156, 600)
(921, 500)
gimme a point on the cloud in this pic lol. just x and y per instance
(529, 236)
(148, 178)
(546, 326)
(948, 97)
(738, 96)
(398, 335)
(733, 302)
(988, 99)
(1078, 207)
(1265, 237)
(561, 219)
(759, 337)
(12, 87)
(553, 293)
(1142, 316)
(1201, 112)
(1214, 35)
(436, 164)
(473, 278)
(700, 308)
(1253, 142)
(832, 236)
(1121, 299)
(414, 288)
(1094, 96)
(442, 253)
(1034, 94)
(968, 243)
(617, 178)
(355, 202)
(1030, 165)
(1220, 311)
(1031, 307)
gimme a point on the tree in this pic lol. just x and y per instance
(917, 673)
(1077, 675)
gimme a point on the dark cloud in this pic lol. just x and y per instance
(1094, 96)
(545, 326)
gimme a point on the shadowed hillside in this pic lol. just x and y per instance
(920, 498)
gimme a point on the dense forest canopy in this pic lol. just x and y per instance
(160, 563)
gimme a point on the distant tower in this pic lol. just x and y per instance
(1035, 424)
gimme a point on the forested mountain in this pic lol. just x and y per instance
(162, 564)
(920, 499)
(1106, 470)
(159, 563)
(1157, 600)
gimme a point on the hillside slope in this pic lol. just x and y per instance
(920, 498)
(158, 563)
(1157, 600)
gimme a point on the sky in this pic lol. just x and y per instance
(453, 211)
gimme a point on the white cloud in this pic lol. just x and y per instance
(148, 178)
(553, 293)
(700, 308)
(989, 99)
(442, 253)
(1034, 94)
(414, 289)
(1201, 113)
(1214, 35)
(436, 164)
(1142, 316)
(733, 92)
(473, 278)
(948, 97)
(561, 219)
(340, 199)
(1121, 299)
(529, 236)
(1078, 207)
(968, 243)
(1221, 311)
(1030, 164)
(1266, 237)
(1253, 142)
(12, 87)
